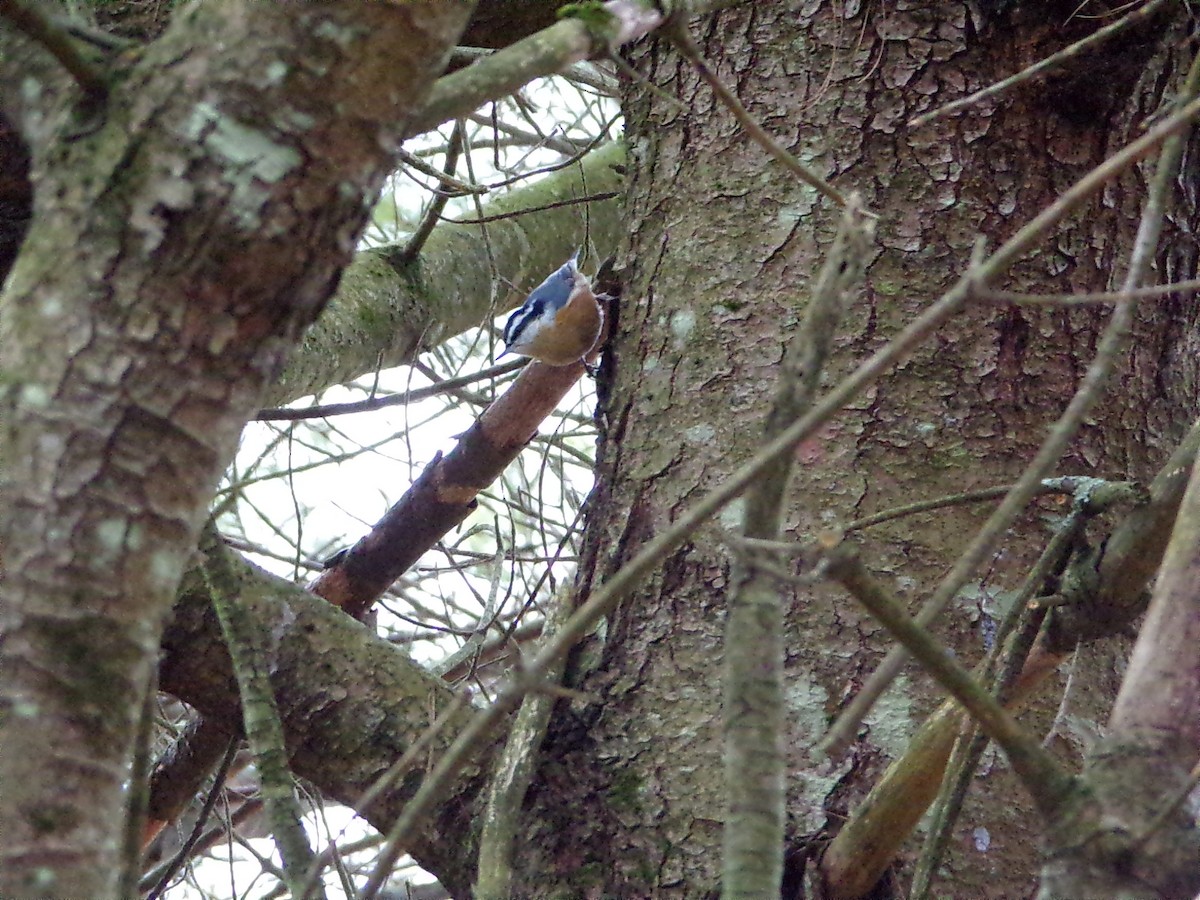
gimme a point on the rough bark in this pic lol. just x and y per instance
(721, 248)
(181, 239)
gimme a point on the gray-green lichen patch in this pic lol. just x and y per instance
(892, 720)
(109, 539)
(249, 147)
(250, 157)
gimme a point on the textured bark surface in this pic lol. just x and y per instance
(177, 249)
(351, 704)
(721, 248)
(178, 245)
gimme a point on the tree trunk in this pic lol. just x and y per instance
(722, 248)
(185, 230)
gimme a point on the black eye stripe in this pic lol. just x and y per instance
(519, 319)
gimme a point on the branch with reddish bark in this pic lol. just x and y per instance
(445, 492)
(436, 503)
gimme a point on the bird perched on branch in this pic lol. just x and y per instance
(559, 323)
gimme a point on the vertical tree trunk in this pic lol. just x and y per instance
(722, 247)
(182, 238)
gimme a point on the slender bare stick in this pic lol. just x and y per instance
(1043, 776)
(394, 842)
(1150, 292)
(176, 862)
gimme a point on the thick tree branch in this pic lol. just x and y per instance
(351, 704)
(388, 310)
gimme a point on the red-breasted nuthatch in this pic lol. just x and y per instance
(559, 322)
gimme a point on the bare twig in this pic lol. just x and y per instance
(393, 843)
(920, 506)
(1152, 292)
(475, 640)
(678, 33)
(446, 180)
(965, 757)
(866, 845)
(437, 205)
(559, 204)
(969, 746)
(393, 400)
(193, 838)
(1043, 776)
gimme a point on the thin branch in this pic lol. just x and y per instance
(1043, 67)
(970, 744)
(1100, 492)
(394, 844)
(446, 180)
(249, 808)
(40, 27)
(969, 749)
(679, 36)
(920, 506)
(288, 414)
(512, 214)
(437, 205)
(866, 845)
(1152, 292)
(754, 716)
(210, 801)
(1043, 776)
(475, 639)
(264, 731)
(511, 776)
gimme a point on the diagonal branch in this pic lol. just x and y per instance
(1045, 779)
